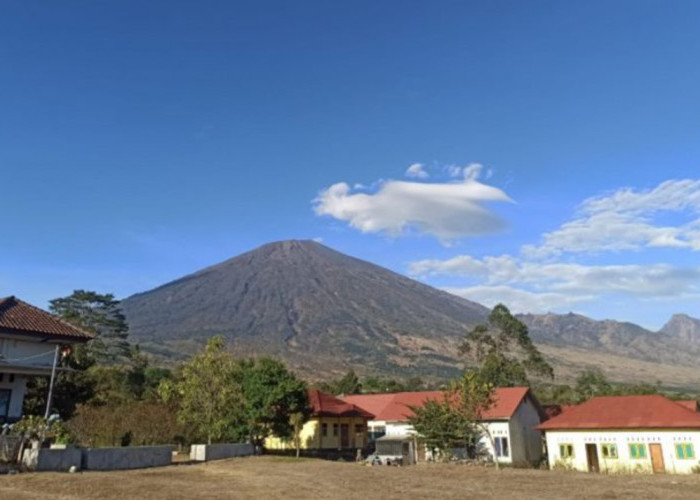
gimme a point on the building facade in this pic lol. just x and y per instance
(333, 425)
(508, 426)
(30, 338)
(619, 434)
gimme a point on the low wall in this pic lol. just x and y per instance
(45, 459)
(136, 457)
(206, 452)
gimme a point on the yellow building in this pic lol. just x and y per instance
(333, 425)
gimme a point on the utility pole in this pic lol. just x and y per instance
(53, 379)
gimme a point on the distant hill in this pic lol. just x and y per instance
(318, 309)
(323, 312)
(683, 328)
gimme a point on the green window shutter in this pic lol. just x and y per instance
(679, 451)
(633, 451)
(643, 451)
(689, 451)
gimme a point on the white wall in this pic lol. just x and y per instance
(18, 387)
(624, 463)
(527, 442)
(15, 350)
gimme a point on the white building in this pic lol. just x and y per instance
(28, 341)
(625, 434)
(510, 421)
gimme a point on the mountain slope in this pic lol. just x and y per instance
(310, 305)
(683, 328)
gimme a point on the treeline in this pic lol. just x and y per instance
(112, 395)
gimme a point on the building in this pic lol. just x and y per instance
(625, 434)
(29, 340)
(510, 422)
(333, 425)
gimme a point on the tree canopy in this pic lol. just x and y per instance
(503, 351)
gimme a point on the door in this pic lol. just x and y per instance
(657, 458)
(344, 436)
(592, 457)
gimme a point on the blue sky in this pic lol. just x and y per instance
(140, 141)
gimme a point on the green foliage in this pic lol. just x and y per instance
(271, 395)
(442, 427)
(504, 351)
(99, 314)
(132, 423)
(592, 383)
(35, 427)
(348, 384)
(208, 393)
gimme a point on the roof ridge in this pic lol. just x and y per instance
(56, 317)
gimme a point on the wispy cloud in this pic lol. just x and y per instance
(625, 220)
(417, 171)
(544, 277)
(447, 210)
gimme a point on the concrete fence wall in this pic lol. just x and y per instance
(136, 457)
(45, 459)
(206, 452)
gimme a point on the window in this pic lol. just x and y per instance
(608, 450)
(324, 430)
(376, 432)
(638, 451)
(359, 429)
(684, 451)
(5, 395)
(566, 450)
(335, 429)
(501, 446)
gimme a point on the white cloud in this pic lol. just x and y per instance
(518, 300)
(447, 210)
(318, 239)
(417, 171)
(625, 220)
(655, 280)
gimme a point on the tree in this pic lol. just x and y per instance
(101, 315)
(209, 393)
(592, 383)
(474, 399)
(504, 350)
(441, 426)
(297, 420)
(271, 394)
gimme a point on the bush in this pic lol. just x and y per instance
(131, 424)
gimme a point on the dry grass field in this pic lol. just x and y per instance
(263, 478)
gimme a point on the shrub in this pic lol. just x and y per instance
(135, 424)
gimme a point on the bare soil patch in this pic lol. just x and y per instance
(288, 478)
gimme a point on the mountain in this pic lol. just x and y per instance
(683, 328)
(324, 312)
(314, 307)
(609, 336)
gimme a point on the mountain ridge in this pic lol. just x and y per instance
(322, 311)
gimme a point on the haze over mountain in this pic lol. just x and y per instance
(324, 312)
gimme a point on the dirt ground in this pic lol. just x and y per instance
(263, 478)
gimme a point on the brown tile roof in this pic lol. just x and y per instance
(17, 316)
(625, 412)
(325, 405)
(396, 407)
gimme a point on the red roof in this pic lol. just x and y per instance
(17, 316)
(625, 412)
(395, 407)
(325, 405)
(691, 404)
